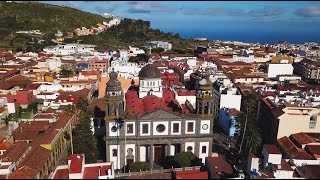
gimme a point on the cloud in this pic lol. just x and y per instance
(224, 11)
(308, 11)
(266, 11)
(148, 7)
(105, 8)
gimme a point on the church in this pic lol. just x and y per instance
(157, 126)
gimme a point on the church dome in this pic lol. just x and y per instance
(113, 84)
(149, 72)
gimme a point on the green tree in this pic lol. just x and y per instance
(83, 138)
(143, 57)
(250, 137)
(157, 50)
(32, 107)
(67, 70)
(169, 162)
(7, 119)
(137, 166)
(187, 159)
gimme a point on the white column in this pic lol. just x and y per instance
(172, 150)
(143, 154)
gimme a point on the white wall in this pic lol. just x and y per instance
(182, 100)
(11, 108)
(114, 159)
(271, 158)
(281, 174)
(253, 163)
(203, 155)
(230, 101)
(278, 69)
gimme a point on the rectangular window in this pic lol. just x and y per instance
(190, 126)
(175, 127)
(145, 129)
(129, 128)
(204, 149)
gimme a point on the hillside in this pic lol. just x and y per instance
(50, 18)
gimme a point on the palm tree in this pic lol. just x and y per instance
(252, 139)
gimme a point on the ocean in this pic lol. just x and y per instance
(294, 36)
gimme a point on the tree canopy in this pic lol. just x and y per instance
(137, 166)
(67, 70)
(183, 159)
(252, 136)
(83, 138)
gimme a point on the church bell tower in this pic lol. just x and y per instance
(114, 98)
(205, 97)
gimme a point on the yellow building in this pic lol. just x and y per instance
(125, 84)
(280, 59)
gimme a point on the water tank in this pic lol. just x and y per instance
(254, 172)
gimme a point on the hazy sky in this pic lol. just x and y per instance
(213, 16)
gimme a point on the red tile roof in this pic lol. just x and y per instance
(76, 163)
(292, 150)
(233, 112)
(95, 171)
(36, 159)
(15, 151)
(62, 174)
(191, 174)
(151, 102)
(219, 166)
(302, 139)
(271, 149)
(5, 145)
(24, 172)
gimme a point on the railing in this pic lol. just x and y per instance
(156, 171)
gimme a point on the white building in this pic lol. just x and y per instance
(158, 44)
(124, 69)
(244, 56)
(135, 51)
(69, 49)
(230, 96)
(279, 69)
(78, 169)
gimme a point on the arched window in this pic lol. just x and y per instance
(189, 148)
(313, 121)
(114, 153)
(204, 149)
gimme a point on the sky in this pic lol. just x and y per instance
(227, 20)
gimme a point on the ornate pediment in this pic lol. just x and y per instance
(160, 114)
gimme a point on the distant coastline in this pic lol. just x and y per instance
(257, 37)
(266, 37)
